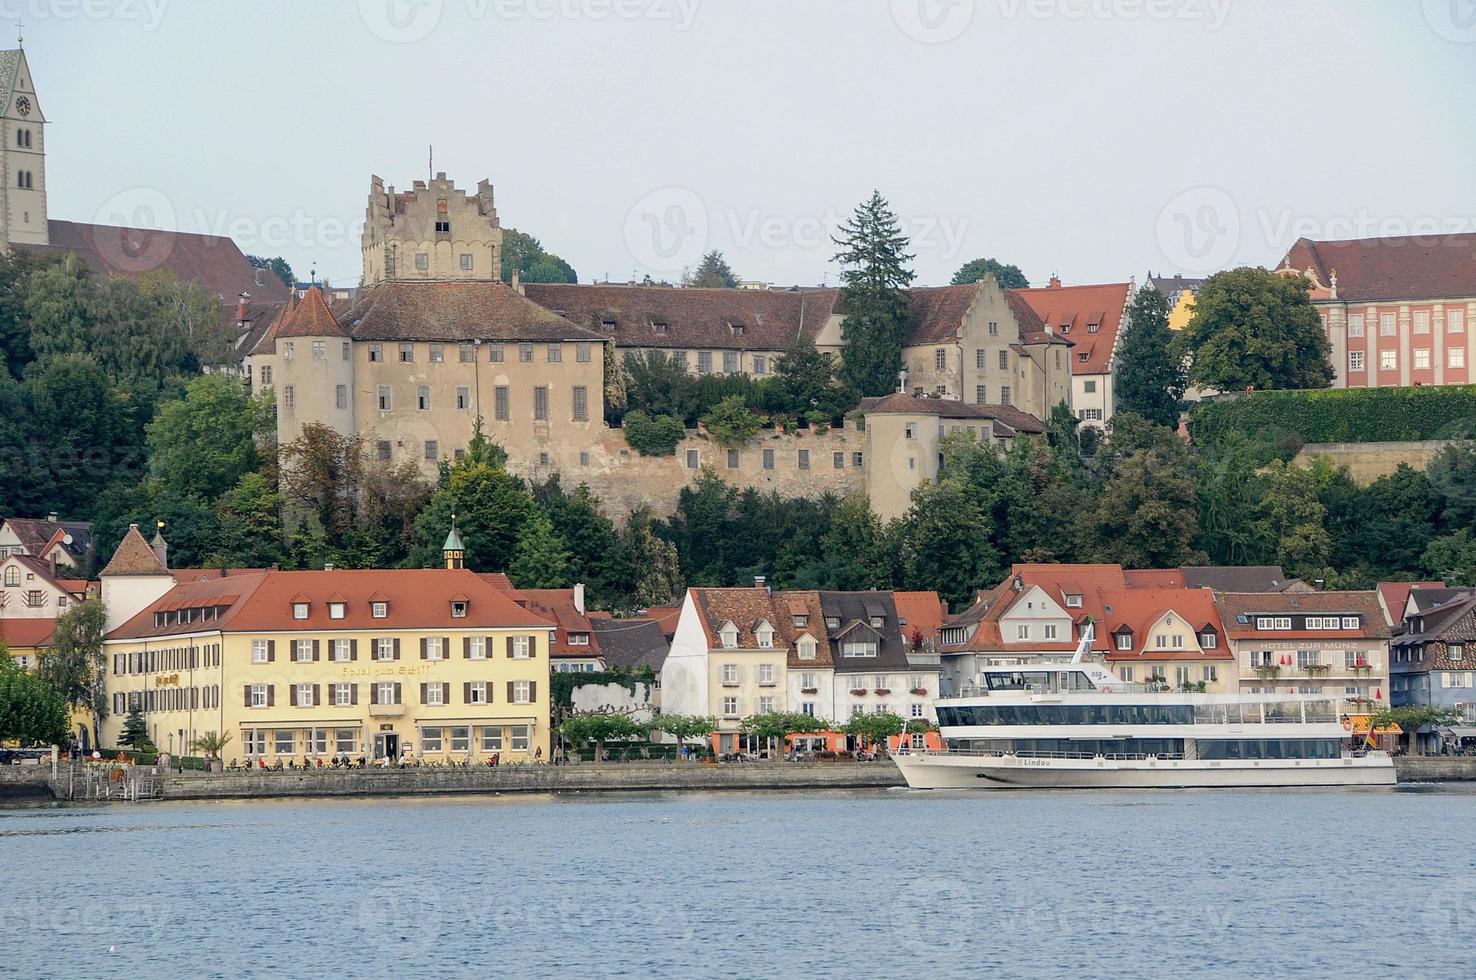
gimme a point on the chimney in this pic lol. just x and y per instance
(51, 517)
(760, 582)
(241, 309)
(1319, 584)
(517, 281)
(579, 597)
(1055, 282)
(327, 566)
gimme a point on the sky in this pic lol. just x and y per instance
(1091, 139)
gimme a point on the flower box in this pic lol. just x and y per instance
(1318, 668)
(809, 690)
(883, 690)
(919, 691)
(858, 692)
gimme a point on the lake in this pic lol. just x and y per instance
(883, 883)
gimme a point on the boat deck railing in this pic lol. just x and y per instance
(1000, 754)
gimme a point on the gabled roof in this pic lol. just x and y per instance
(1376, 269)
(1395, 597)
(418, 598)
(455, 311)
(1233, 606)
(1140, 609)
(559, 606)
(919, 611)
(743, 607)
(787, 606)
(769, 319)
(49, 574)
(309, 317)
(36, 534)
(134, 557)
(27, 632)
(1242, 578)
(631, 642)
(853, 610)
(1072, 311)
(936, 313)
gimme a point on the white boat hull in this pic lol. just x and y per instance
(946, 771)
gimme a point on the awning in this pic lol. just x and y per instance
(1462, 731)
(1361, 722)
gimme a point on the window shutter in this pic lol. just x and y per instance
(509, 692)
(509, 642)
(315, 651)
(445, 648)
(533, 645)
(271, 695)
(397, 693)
(248, 697)
(491, 690)
(353, 649)
(532, 691)
(466, 693)
(466, 648)
(422, 647)
(292, 695)
(424, 689)
(373, 693)
(271, 650)
(397, 649)
(317, 695)
(353, 694)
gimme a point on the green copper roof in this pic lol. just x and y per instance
(453, 541)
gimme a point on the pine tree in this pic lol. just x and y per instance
(873, 254)
(1150, 377)
(713, 273)
(541, 560)
(135, 732)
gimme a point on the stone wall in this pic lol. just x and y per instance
(533, 779)
(1435, 769)
(1367, 461)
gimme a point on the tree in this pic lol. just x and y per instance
(249, 525)
(731, 424)
(684, 728)
(1452, 558)
(491, 508)
(204, 443)
(526, 254)
(876, 280)
(1397, 516)
(1150, 375)
(135, 732)
(76, 666)
(541, 561)
(874, 728)
(804, 384)
(1144, 516)
(947, 542)
(855, 546)
(713, 273)
(1008, 276)
(1253, 328)
(590, 537)
(774, 726)
(32, 712)
(211, 744)
(1291, 521)
(600, 727)
(647, 570)
(278, 265)
(1452, 476)
(658, 384)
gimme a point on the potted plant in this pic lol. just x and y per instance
(1268, 672)
(919, 691)
(858, 691)
(210, 745)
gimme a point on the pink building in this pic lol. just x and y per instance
(1398, 311)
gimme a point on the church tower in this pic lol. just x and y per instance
(22, 154)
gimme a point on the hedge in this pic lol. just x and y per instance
(1340, 415)
(653, 435)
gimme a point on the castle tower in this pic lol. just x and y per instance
(133, 578)
(314, 369)
(432, 232)
(22, 154)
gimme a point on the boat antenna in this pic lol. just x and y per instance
(1085, 644)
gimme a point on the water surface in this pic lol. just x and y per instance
(884, 883)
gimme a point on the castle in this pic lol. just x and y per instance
(435, 342)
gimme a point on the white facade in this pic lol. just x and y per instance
(811, 691)
(684, 675)
(898, 698)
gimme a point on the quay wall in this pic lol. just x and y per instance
(1435, 768)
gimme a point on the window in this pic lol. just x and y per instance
(340, 396)
(1422, 321)
(522, 692)
(386, 693)
(760, 364)
(806, 648)
(384, 648)
(694, 459)
(289, 396)
(581, 403)
(458, 608)
(491, 739)
(730, 362)
(304, 695)
(320, 350)
(1455, 357)
(376, 353)
(804, 459)
(435, 694)
(704, 362)
(465, 261)
(525, 353)
(1355, 360)
(266, 374)
(476, 648)
(463, 397)
(260, 652)
(343, 650)
(1387, 324)
(981, 395)
(422, 398)
(432, 449)
(730, 673)
(284, 741)
(299, 610)
(382, 449)
(766, 672)
(386, 398)
(422, 262)
(1308, 658)
(581, 352)
(1208, 641)
(1455, 321)
(910, 431)
(1350, 622)
(1455, 652)
(679, 358)
(857, 459)
(500, 406)
(430, 739)
(1073, 600)
(302, 651)
(431, 646)
(540, 403)
(494, 353)
(1422, 357)
(520, 647)
(261, 695)
(838, 461)
(1355, 324)
(730, 707)
(1004, 395)
(1124, 641)
(555, 353)
(940, 359)
(407, 353)
(768, 456)
(858, 648)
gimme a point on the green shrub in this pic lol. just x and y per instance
(653, 435)
(731, 424)
(1290, 418)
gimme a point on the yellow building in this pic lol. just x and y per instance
(429, 663)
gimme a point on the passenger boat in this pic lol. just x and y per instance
(1076, 726)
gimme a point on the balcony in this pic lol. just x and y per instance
(386, 710)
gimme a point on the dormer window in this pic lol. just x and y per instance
(1073, 600)
(659, 326)
(832, 622)
(764, 633)
(458, 608)
(1093, 327)
(877, 622)
(337, 610)
(299, 610)
(728, 636)
(736, 328)
(801, 621)
(806, 648)
(608, 325)
(1124, 641)
(1209, 640)
(379, 610)
(579, 639)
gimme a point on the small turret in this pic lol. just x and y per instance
(453, 550)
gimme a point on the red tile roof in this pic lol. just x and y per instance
(1395, 596)
(1234, 605)
(134, 557)
(197, 574)
(309, 317)
(1139, 609)
(1401, 268)
(212, 260)
(1071, 311)
(770, 319)
(558, 605)
(921, 612)
(455, 311)
(29, 632)
(419, 598)
(937, 312)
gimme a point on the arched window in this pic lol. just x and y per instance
(12, 576)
